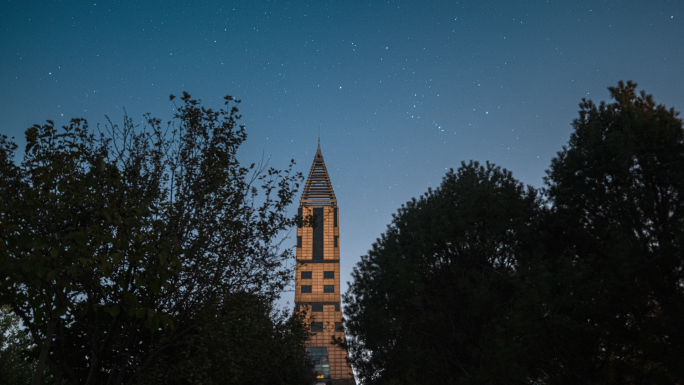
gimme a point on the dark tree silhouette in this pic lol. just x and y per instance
(480, 281)
(429, 302)
(111, 245)
(617, 233)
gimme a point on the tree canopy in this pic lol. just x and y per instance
(113, 244)
(484, 281)
(618, 222)
(429, 303)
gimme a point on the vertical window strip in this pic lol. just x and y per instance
(317, 244)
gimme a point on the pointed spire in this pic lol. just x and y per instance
(319, 155)
(318, 190)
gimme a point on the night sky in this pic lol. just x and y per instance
(401, 90)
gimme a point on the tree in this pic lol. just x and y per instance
(15, 365)
(433, 301)
(237, 340)
(617, 243)
(111, 244)
(479, 281)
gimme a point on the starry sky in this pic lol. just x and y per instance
(402, 90)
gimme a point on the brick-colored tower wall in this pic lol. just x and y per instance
(339, 369)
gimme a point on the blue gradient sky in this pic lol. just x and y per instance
(402, 90)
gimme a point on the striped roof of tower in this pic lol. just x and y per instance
(318, 190)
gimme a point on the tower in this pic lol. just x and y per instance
(317, 283)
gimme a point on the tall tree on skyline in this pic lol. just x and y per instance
(480, 281)
(111, 243)
(430, 301)
(617, 196)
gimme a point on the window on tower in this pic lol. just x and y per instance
(329, 288)
(321, 363)
(328, 274)
(306, 275)
(317, 327)
(299, 242)
(306, 288)
(317, 241)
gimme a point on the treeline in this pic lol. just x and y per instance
(485, 281)
(145, 256)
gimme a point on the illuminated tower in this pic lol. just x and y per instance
(317, 284)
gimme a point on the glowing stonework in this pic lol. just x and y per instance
(317, 284)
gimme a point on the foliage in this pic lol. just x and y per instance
(480, 281)
(15, 365)
(618, 243)
(236, 341)
(109, 244)
(428, 303)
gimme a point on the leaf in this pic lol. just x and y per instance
(116, 257)
(40, 270)
(52, 274)
(156, 287)
(114, 310)
(131, 299)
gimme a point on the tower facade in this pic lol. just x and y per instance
(317, 283)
